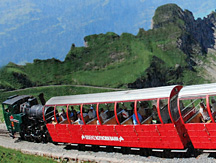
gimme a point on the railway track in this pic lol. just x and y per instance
(4, 133)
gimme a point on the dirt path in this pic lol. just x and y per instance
(87, 86)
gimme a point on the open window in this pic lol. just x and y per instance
(73, 111)
(49, 114)
(125, 112)
(109, 109)
(174, 108)
(194, 110)
(147, 109)
(105, 112)
(90, 114)
(163, 104)
(61, 114)
(212, 106)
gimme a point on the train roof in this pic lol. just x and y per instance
(198, 90)
(129, 95)
(13, 99)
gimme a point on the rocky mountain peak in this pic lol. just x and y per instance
(197, 36)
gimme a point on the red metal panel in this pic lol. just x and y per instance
(209, 109)
(145, 136)
(135, 112)
(202, 135)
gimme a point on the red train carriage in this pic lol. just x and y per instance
(197, 108)
(144, 118)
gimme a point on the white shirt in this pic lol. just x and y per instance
(125, 114)
(103, 116)
(80, 122)
(204, 114)
(92, 114)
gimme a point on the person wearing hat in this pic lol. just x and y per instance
(91, 113)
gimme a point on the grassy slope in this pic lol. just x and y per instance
(51, 91)
(9, 155)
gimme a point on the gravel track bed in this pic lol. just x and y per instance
(73, 155)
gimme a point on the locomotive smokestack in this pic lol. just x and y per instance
(41, 97)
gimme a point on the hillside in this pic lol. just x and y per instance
(170, 53)
(41, 29)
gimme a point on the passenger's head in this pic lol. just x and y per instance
(213, 101)
(154, 107)
(78, 114)
(91, 108)
(101, 109)
(132, 105)
(202, 105)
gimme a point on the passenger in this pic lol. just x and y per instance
(53, 121)
(109, 114)
(103, 115)
(134, 118)
(213, 107)
(142, 110)
(57, 116)
(155, 118)
(91, 113)
(63, 115)
(204, 112)
(74, 115)
(125, 113)
(70, 113)
(80, 121)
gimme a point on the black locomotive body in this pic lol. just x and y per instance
(24, 114)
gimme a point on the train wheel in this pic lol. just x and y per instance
(109, 148)
(124, 150)
(81, 147)
(95, 148)
(192, 152)
(166, 153)
(145, 152)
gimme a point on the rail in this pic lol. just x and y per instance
(147, 120)
(128, 121)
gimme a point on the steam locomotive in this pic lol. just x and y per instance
(23, 114)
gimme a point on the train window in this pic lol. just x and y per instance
(148, 112)
(49, 114)
(174, 108)
(194, 110)
(6, 108)
(125, 112)
(164, 110)
(212, 102)
(90, 114)
(105, 113)
(61, 115)
(73, 111)
(108, 109)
